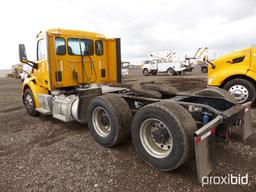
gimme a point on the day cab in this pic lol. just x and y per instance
(236, 73)
(70, 58)
(72, 80)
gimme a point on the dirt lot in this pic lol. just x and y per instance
(44, 154)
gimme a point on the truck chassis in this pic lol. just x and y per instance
(166, 131)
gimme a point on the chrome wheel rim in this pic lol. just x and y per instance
(240, 93)
(29, 102)
(156, 138)
(101, 121)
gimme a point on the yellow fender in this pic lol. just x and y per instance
(218, 77)
(251, 74)
(33, 84)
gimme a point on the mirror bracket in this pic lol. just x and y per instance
(209, 62)
(32, 64)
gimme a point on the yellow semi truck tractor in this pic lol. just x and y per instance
(236, 73)
(71, 81)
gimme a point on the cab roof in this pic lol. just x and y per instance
(234, 53)
(70, 32)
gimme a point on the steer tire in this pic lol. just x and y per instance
(179, 123)
(247, 84)
(119, 115)
(216, 92)
(29, 102)
(145, 72)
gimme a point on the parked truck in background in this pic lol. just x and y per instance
(167, 62)
(152, 67)
(236, 73)
(163, 62)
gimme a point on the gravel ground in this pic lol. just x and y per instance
(44, 154)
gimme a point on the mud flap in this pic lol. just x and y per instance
(246, 127)
(204, 141)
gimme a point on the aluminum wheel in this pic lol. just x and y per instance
(29, 102)
(239, 92)
(156, 138)
(101, 121)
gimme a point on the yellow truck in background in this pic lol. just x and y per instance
(236, 73)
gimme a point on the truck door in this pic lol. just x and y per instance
(155, 65)
(60, 72)
(42, 71)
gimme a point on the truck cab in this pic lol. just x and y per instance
(68, 58)
(236, 73)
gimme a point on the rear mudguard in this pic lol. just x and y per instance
(204, 139)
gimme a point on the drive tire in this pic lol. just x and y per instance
(250, 88)
(119, 116)
(29, 102)
(180, 125)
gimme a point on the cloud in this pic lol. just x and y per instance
(144, 26)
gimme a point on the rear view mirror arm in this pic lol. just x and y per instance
(212, 65)
(32, 64)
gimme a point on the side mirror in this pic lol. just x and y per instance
(22, 53)
(23, 57)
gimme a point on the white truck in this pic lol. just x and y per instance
(166, 62)
(171, 68)
(163, 62)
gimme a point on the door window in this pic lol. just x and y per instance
(99, 47)
(40, 49)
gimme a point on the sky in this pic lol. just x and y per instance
(144, 26)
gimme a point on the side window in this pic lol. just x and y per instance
(80, 46)
(88, 46)
(40, 49)
(99, 47)
(60, 46)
